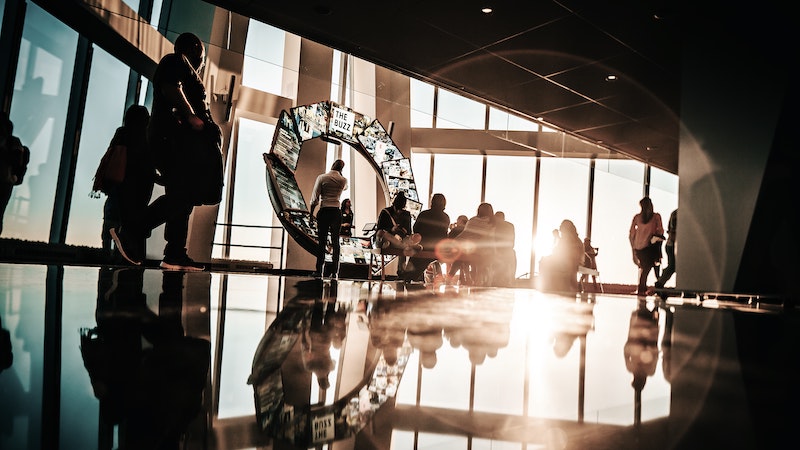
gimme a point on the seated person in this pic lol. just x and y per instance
(559, 271)
(431, 225)
(394, 227)
(477, 244)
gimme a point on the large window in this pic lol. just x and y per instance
(458, 112)
(39, 111)
(617, 191)
(563, 195)
(265, 67)
(509, 188)
(421, 104)
(459, 178)
(105, 104)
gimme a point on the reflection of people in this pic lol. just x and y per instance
(560, 269)
(669, 249)
(126, 203)
(180, 128)
(316, 342)
(148, 376)
(506, 260)
(327, 189)
(431, 225)
(641, 348)
(346, 228)
(645, 236)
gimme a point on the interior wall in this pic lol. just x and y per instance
(729, 119)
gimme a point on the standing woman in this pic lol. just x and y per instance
(645, 235)
(347, 218)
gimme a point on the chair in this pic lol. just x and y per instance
(589, 268)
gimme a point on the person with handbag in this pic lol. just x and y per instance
(645, 235)
(185, 144)
(394, 230)
(126, 175)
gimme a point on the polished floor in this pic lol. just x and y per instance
(120, 358)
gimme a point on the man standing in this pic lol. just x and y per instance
(181, 135)
(669, 248)
(327, 190)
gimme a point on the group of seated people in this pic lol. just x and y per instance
(479, 250)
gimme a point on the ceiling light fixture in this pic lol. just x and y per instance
(611, 78)
(486, 10)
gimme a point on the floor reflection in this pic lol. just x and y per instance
(131, 358)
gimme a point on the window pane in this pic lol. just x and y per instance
(455, 111)
(563, 194)
(617, 191)
(421, 167)
(39, 111)
(251, 207)
(421, 104)
(501, 120)
(509, 188)
(105, 104)
(263, 57)
(459, 178)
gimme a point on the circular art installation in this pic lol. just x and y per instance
(332, 122)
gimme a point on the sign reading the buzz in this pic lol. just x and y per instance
(323, 428)
(342, 121)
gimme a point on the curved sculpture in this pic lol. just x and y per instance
(330, 121)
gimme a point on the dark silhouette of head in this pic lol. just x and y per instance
(438, 202)
(337, 165)
(136, 117)
(191, 47)
(485, 210)
(400, 200)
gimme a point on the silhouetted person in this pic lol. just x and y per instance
(589, 261)
(126, 203)
(641, 348)
(6, 350)
(477, 243)
(394, 230)
(645, 236)
(559, 270)
(185, 144)
(346, 228)
(327, 189)
(669, 249)
(456, 266)
(14, 158)
(316, 342)
(506, 259)
(431, 225)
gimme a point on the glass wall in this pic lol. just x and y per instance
(455, 111)
(563, 195)
(39, 111)
(617, 191)
(459, 178)
(105, 108)
(263, 58)
(509, 188)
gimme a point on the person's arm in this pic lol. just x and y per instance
(174, 93)
(632, 237)
(315, 196)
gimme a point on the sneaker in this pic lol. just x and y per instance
(182, 263)
(125, 248)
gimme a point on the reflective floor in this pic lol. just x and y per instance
(111, 358)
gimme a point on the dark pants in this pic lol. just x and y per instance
(670, 269)
(5, 196)
(329, 222)
(647, 260)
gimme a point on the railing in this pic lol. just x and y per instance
(227, 237)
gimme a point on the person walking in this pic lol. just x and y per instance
(669, 249)
(645, 235)
(185, 146)
(327, 189)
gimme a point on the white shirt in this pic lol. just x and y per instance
(327, 190)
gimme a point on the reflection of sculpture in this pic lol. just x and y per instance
(154, 390)
(573, 321)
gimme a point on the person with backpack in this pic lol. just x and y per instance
(14, 159)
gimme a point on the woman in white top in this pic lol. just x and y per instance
(646, 235)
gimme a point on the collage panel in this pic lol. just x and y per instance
(312, 120)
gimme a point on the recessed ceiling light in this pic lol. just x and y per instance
(486, 10)
(611, 77)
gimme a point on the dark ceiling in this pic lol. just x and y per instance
(545, 59)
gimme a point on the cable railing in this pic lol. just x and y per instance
(227, 245)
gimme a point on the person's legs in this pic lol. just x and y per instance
(668, 271)
(326, 219)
